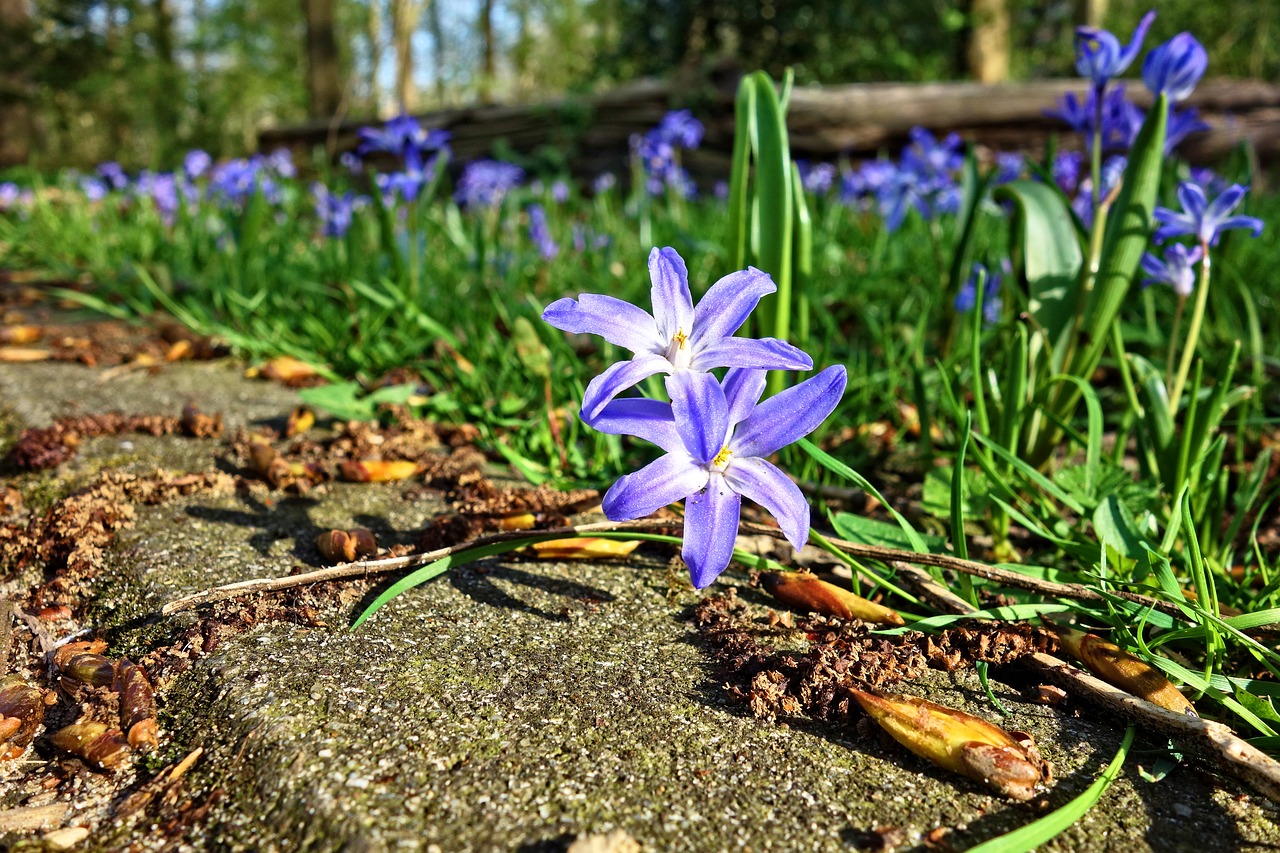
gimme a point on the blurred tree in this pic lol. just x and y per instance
(405, 16)
(987, 48)
(324, 75)
(15, 84)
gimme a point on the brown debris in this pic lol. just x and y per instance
(10, 501)
(47, 447)
(21, 713)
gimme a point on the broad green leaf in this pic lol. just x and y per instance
(869, 531)
(1051, 255)
(1115, 526)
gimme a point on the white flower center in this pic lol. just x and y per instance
(679, 353)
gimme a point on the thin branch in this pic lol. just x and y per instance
(371, 568)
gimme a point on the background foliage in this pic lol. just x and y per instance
(140, 81)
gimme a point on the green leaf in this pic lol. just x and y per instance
(834, 465)
(869, 531)
(1115, 526)
(1051, 255)
(744, 133)
(772, 224)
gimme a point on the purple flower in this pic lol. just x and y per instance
(1182, 123)
(817, 178)
(335, 212)
(350, 161)
(1066, 170)
(717, 437)
(395, 137)
(1112, 173)
(1099, 55)
(9, 195)
(1009, 166)
(604, 182)
(484, 183)
(560, 191)
(1176, 269)
(585, 238)
(680, 128)
(114, 175)
(280, 161)
(676, 337)
(1075, 113)
(1204, 220)
(967, 298)
(94, 189)
(196, 163)
(540, 233)
(1175, 67)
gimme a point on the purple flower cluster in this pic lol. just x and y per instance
(335, 212)
(716, 433)
(540, 233)
(924, 179)
(484, 183)
(967, 299)
(658, 153)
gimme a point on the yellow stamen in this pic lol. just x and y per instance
(722, 458)
(681, 340)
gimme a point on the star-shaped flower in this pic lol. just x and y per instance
(677, 336)
(717, 437)
(1202, 219)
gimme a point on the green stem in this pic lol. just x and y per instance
(1173, 340)
(1193, 334)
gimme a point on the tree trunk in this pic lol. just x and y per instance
(375, 54)
(987, 54)
(16, 120)
(486, 51)
(166, 105)
(438, 54)
(324, 76)
(1093, 12)
(404, 20)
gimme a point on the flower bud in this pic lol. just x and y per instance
(804, 592)
(92, 669)
(1120, 669)
(959, 742)
(376, 470)
(1175, 67)
(21, 712)
(137, 705)
(96, 743)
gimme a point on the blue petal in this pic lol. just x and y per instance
(1192, 199)
(648, 419)
(764, 354)
(1225, 203)
(618, 378)
(672, 304)
(663, 481)
(1253, 223)
(743, 387)
(764, 483)
(725, 306)
(701, 413)
(618, 322)
(790, 415)
(710, 529)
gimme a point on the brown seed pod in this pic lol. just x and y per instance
(345, 546)
(90, 669)
(1128, 672)
(959, 742)
(21, 712)
(96, 743)
(65, 653)
(807, 593)
(137, 704)
(199, 425)
(376, 470)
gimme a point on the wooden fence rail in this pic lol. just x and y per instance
(826, 123)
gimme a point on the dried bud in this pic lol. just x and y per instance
(137, 704)
(179, 350)
(94, 742)
(90, 669)
(199, 425)
(584, 548)
(1128, 672)
(518, 521)
(23, 355)
(21, 712)
(345, 546)
(65, 653)
(376, 470)
(959, 742)
(286, 369)
(20, 334)
(807, 593)
(261, 456)
(300, 420)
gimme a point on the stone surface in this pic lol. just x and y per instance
(520, 705)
